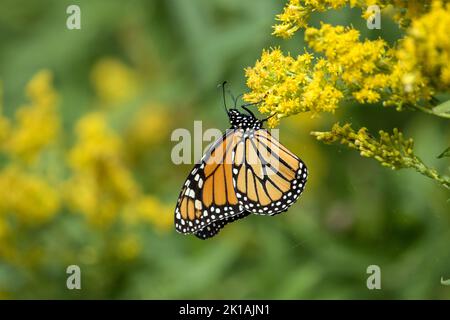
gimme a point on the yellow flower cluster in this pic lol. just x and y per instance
(424, 54)
(150, 125)
(20, 138)
(150, 209)
(113, 81)
(101, 183)
(296, 13)
(357, 64)
(391, 150)
(346, 67)
(403, 12)
(96, 179)
(26, 196)
(285, 85)
(128, 247)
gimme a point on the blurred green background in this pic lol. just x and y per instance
(136, 71)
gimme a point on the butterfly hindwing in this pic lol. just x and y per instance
(213, 228)
(268, 178)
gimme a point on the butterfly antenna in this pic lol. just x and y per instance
(252, 104)
(248, 110)
(223, 95)
(232, 97)
(236, 100)
(264, 120)
(244, 106)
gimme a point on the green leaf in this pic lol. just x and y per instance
(443, 108)
(445, 282)
(446, 153)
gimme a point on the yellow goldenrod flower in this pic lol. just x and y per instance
(96, 142)
(421, 65)
(113, 81)
(128, 247)
(38, 123)
(149, 126)
(367, 71)
(28, 197)
(391, 150)
(424, 53)
(348, 58)
(285, 85)
(40, 89)
(151, 210)
(344, 67)
(404, 12)
(101, 184)
(296, 13)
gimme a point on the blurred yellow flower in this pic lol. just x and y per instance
(37, 124)
(404, 12)
(151, 210)
(425, 52)
(40, 89)
(101, 183)
(96, 180)
(27, 197)
(114, 82)
(150, 125)
(96, 142)
(128, 247)
(102, 186)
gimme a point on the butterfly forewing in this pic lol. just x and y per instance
(208, 194)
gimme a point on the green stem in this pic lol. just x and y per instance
(420, 167)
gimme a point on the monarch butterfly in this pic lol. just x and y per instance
(246, 171)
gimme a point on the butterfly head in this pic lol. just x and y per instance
(240, 120)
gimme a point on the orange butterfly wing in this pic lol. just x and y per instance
(207, 200)
(246, 171)
(268, 178)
